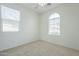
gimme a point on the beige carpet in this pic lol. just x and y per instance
(40, 48)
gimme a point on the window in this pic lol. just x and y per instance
(10, 19)
(54, 24)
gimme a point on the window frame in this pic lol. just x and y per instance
(57, 33)
(8, 22)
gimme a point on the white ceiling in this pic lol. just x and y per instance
(34, 7)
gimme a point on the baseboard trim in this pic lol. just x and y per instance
(61, 45)
(18, 45)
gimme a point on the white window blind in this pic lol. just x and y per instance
(54, 24)
(10, 19)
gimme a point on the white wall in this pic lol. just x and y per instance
(29, 29)
(69, 14)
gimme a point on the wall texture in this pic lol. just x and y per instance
(69, 24)
(29, 29)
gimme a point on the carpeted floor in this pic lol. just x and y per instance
(40, 48)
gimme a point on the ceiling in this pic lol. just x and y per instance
(35, 7)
